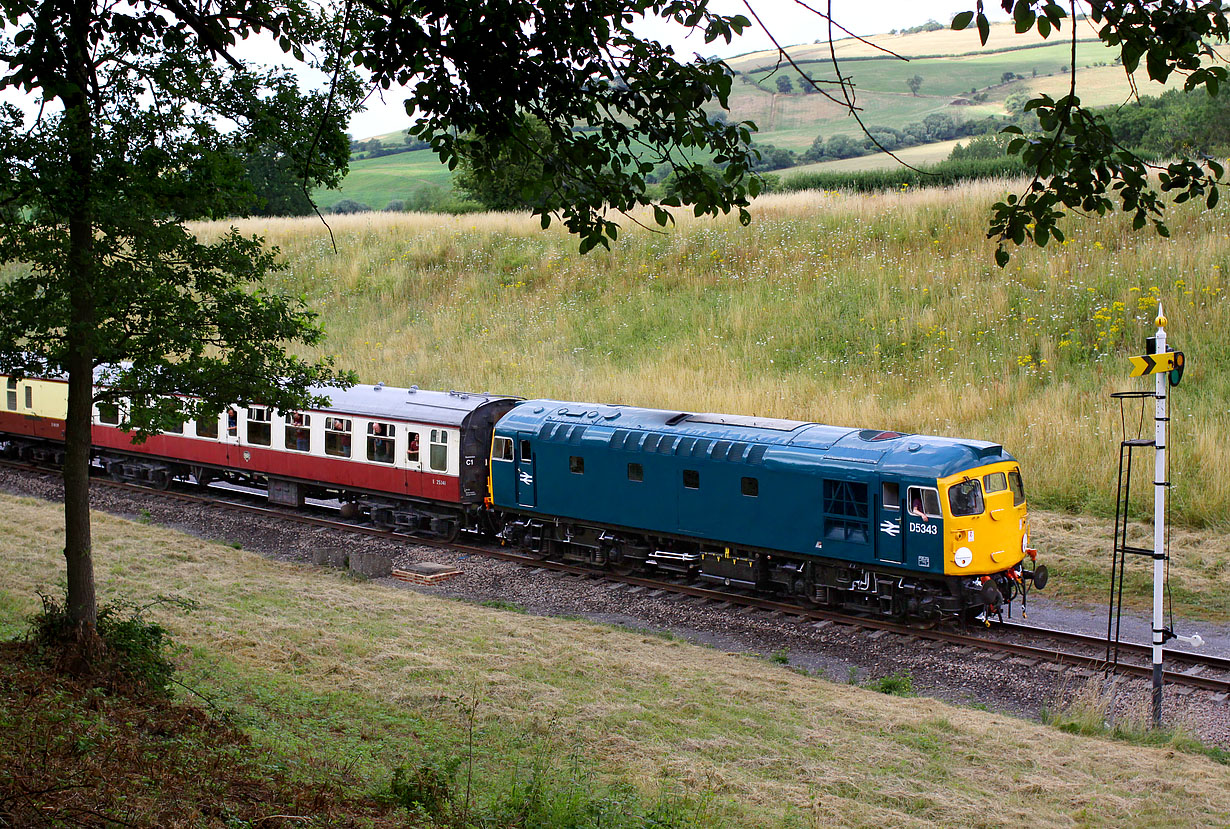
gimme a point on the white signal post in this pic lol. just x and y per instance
(1160, 483)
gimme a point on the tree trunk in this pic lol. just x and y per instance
(79, 361)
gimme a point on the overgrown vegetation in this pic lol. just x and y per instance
(1094, 710)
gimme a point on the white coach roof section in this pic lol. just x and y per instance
(449, 408)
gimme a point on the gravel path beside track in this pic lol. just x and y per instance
(839, 652)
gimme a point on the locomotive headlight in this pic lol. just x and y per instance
(962, 557)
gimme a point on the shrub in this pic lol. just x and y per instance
(349, 206)
(895, 685)
(395, 206)
(427, 788)
(134, 653)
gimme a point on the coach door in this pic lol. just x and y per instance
(890, 531)
(527, 485)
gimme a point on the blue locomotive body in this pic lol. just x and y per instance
(818, 511)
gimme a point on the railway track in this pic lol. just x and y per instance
(1081, 651)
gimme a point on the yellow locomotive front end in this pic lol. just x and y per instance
(986, 521)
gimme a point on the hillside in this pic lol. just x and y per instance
(337, 682)
(959, 79)
(879, 310)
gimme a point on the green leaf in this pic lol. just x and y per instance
(961, 20)
(984, 28)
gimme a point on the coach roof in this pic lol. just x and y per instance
(449, 408)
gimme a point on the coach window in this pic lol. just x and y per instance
(438, 455)
(174, 429)
(691, 479)
(636, 472)
(380, 442)
(501, 449)
(750, 487)
(29, 397)
(890, 495)
(109, 413)
(924, 502)
(260, 429)
(11, 395)
(337, 437)
(576, 464)
(412, 447)
(207, 427)
(299, 432)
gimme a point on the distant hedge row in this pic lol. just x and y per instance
(943, 174)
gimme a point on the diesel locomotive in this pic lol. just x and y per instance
(875, 521)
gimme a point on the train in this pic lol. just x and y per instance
(874, 521)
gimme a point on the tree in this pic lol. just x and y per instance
(1076, 163)
(97, 185)
(784, 85)
(501, 178)
(816, 151)
(915, 83)
(148, 115)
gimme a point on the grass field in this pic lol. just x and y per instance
(343, 680)
(878, 310)
(377, 181)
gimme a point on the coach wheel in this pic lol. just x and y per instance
(115, 471)
(160, 479)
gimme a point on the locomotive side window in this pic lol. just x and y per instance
(525, 450)
(502, 449)
(750, 487)
(380, 442)
(337, 437)
(924, 502)
(965, 498)
(636, 472)
(11, 395)
(845, 511)
(995, 482)
(260, 427)
(437, 459)
(299, 432)
(412, 447)
(576, 464)
(691, 479)
(1018, 487)
(109, 413)
(207, 427)
(890, 495)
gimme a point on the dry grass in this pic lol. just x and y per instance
(875, 310)
(767, 744)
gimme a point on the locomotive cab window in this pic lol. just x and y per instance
(965, 498)
(437, 457)
(412, 447)
(380, 442)
(924, 502)
(890, 495)
(636, 472)
(995, 482)
(260, 427)
(109, 413)
(299, 432)
(691, 479)
(1017, 486)
(10, 397)
(576, 464)
(337, 437)
(502, 450)
(207, 427)
(750, 487)
(526, 450)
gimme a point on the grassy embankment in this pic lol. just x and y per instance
(336, 682)
(878, 311)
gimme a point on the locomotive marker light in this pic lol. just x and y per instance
(1167, 368)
